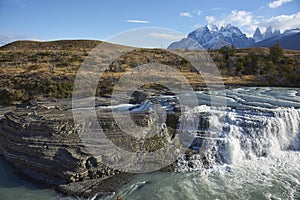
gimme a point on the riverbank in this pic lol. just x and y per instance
(44, 145)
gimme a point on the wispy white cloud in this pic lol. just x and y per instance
(168, 36)
(137, 21)
(216, 8)
(197, 26)
(283, 22)
(185, 14)
(278, 3)
(191, 14)
(241, 17)
(210, 19)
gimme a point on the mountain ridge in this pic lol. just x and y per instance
(287, 42)
(215, 37)
(63, 44)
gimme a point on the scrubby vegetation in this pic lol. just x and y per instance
(30, 70)
(270, 66)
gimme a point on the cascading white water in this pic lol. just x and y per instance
(251, 134)
(243, 134)
(242, 131)
(251, 150)
(257, 122)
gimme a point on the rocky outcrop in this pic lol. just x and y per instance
(6, 97)
(45, 147)
(43, 143)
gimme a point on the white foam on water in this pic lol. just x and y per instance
(253, 147)
(244, 134)
(275, 177)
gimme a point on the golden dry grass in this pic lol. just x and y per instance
(48, 69)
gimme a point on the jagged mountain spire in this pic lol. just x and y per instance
(268, 33)
(257, 36)
(215, 36)
(276, 32)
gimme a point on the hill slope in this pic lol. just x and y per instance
(50, 45)
(31, 70)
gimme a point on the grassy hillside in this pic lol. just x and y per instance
(30, 70)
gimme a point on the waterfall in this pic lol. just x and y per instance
(247, 150)
(230, 135)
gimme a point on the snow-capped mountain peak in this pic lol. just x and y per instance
(257, 36)
(213, 27)
(214, 37)
(233, 29)
(269, 33)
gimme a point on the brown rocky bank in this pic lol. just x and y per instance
(42, 142)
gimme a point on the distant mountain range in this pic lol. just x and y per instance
(215, 37)
(288, 40)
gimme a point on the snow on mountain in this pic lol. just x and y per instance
(213, 27)
(186, 43)
(214, 37)
(291, 31)
(289, 39)
(268, 33)
(257, 36)
(276, 32)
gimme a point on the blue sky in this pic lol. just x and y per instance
(91, 19)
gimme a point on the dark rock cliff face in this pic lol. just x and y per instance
(45, 149)
(44, 146)
(42, 142)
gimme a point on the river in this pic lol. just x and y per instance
(256, 155)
